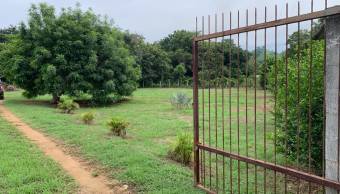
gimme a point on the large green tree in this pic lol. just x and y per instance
(72, 53)
(179, 47)
(6, 35)
(154, 63)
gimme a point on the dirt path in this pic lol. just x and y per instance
(72, 165)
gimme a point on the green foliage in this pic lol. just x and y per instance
(181, 150)
(162, 62)
(71, 53)
(179, 72)
(118, 126)
(154, 63)
(180, 100)
(213, 66)
(6, 36)
(311, 102)
(170, 60)
(179, 47)
(7, 33)
(68, 106)
(133, 41)
(7, 47)
(264, 68)
(87, 117)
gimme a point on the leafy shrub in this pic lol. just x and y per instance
(180, 100)
(68, 106)
(87, 117)
(118, 126)
(298, 118)
(181, 150)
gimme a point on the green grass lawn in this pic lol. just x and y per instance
(141, 159)
(24, 169)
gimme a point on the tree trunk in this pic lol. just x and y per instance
(56, 99)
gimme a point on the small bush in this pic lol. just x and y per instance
(87, 117)
(180, 100)
(181, 151)
(68, 106)
(118, 127)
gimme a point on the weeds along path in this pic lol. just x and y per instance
(72, 165)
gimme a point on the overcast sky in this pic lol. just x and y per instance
(154, 19)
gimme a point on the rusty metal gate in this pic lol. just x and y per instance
(259, 103)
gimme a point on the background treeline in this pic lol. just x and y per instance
(49, 40)
(169, 61)
(163, 62)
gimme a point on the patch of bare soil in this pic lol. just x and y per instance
(186, 118)
(89, 182)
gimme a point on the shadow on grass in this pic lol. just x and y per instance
(83, 103)
(33, 102)
(88, 103)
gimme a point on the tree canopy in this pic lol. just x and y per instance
(162, 61)
(72, 53)
(154, 63)
(179, 47)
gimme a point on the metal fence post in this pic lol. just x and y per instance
(195, 106)
(332, 29)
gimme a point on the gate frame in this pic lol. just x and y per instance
(267, 165)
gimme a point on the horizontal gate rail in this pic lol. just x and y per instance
(280, 22)
(275, 167)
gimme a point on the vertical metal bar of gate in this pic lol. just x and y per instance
(195, 106)
(223, 60)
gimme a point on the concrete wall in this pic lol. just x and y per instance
(332, 98)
